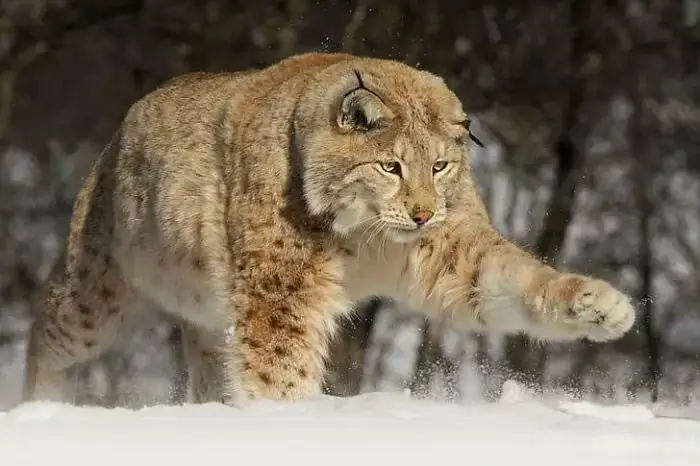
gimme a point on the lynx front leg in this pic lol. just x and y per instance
(289, 297)
(484, 281)
(284, 347)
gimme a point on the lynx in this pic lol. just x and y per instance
(259, 207)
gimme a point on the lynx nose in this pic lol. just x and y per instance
(421, 217)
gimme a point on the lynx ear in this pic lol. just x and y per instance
(362, 110)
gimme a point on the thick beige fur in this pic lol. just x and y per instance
(259, 207)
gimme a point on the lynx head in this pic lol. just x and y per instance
(383, 146)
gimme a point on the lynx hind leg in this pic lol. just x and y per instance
(80, 316)
(214, 372)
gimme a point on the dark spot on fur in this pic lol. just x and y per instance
(84, 309)
(107, 293)
(275, 322)
(346, 251)
(59, 347)
(498, 242)
(254, 344)
(180, 256)
(55, 294)
(451, 266)
(303, 373)
(297, 331)
(276, 280)
(265, 378)
(298, 244)
(89, 343)
(270, 284)
(198, 263)
(50, 334)
(476, 273)
(278, 243)
(246, 366)
(83, 274)
(279, 351)
(87, 324)
(290, 384)
(64, 333)
(284, 394)
(292, 287)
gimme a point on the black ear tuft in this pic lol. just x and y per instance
(476, 140)
(467, 125)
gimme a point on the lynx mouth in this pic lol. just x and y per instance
(405, 234)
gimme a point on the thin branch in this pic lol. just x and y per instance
(57, 23)
(358, 18)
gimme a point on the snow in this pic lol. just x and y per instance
(374, 428)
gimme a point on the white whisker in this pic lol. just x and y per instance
(366, 230)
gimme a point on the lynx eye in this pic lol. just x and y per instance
(439, 166)
(393, 167)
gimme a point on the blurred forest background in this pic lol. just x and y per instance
(590, 111)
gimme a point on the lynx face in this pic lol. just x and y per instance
(405, 190)
(398, 165)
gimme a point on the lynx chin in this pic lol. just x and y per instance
(259, 207)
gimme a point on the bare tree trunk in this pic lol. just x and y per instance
(585, 356)
(178, 394)
(484, 366)
(642, 172)
(526, 360)
(653, 339)
(424, 368)
(431, 361)
(346, 371)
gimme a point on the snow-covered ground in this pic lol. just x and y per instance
(379, 428)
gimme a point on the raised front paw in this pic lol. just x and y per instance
(587, 307)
